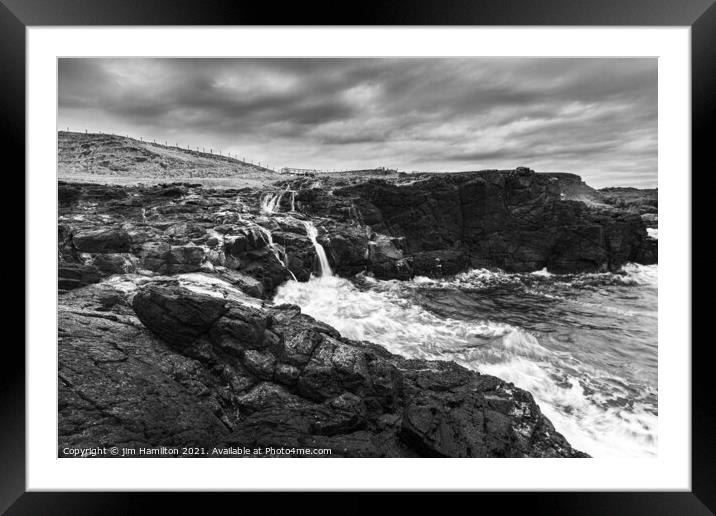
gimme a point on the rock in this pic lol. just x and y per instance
(643, 201)
(202, 371)
(166, 259)
(259, 364)
(333, 368)
(516, 220)
(119, 385)
(178, 316)
(245, 283)
(115, 263)
(75, 275)
(163, 364)
(68, 194)
(184, 231)
(446, 405)
(102, 241)
(651, 220)
(240, 330)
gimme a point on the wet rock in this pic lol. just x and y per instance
(515, 220)
(245, 283)
(68, 194)
(102, 241)
(163, 258)
(75, 275)
(184, 231)
(203, 371)
(178, 316)
(259, 364)
(115, 263)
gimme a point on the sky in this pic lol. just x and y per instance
(596, 117)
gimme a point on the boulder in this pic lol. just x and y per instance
(102, 241)
(163, 258)
(115, 263)
(177, 315)
(75, 275)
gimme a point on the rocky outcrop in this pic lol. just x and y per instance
(434, 225)
(164, 366)
(75, 275)
(516, 220)
(643, 201)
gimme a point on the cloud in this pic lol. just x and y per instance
(595, 117)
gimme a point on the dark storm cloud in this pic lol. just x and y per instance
(595, 117)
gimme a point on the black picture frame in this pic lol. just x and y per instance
(17, 15)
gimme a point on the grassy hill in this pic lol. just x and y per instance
(117, 159)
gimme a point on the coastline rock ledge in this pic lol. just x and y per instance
(516, 220)
(161, 365)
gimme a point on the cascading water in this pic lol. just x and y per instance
(312, 233)
(293, 201)
(270, 203)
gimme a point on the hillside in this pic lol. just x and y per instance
(112, 158)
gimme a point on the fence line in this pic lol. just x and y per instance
(190, 148)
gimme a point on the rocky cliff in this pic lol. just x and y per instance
(516, 220)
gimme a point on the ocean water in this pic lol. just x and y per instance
(584, 345)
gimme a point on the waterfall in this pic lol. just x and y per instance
(271, 203)
(278, 251)
(293, 201)
(240, 204)
(312, 233)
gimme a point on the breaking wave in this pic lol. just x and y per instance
(583, 345)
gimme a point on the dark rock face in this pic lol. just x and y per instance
(102, 241)
(115, 263)
(202, 371)
(178, 319)
(75, 275)
(514, 220)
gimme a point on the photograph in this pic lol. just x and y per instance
(357, 257)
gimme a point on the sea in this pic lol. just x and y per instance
(584, 345)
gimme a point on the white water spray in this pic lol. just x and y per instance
(312, 233)
(271, 203)
(582, 401)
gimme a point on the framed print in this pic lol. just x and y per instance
(446, 247)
